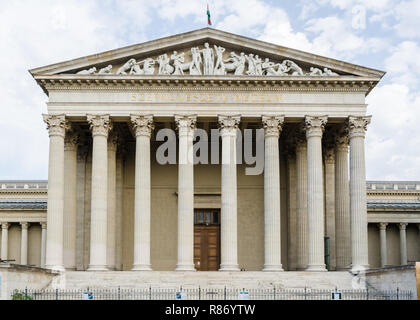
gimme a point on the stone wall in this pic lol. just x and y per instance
(391, 278)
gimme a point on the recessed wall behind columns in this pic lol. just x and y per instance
(373, 246)
(207, 179)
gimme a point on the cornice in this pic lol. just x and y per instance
(66, 82)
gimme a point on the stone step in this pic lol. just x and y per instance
(140, 279)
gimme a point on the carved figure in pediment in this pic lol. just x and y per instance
(296, 70)
(328, 72)
(87, 72)
(251, 65)
(258, 65)
(106, 70)
(236, 63)
(148, 66)
(219, 68)
(179, 64)
(126, 67)
(195, 66)
(315, 72)
(274, 69)
(208, 59)
(164, 67)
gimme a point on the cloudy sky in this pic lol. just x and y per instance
(382, 34)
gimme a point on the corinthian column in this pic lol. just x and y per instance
(342, 201)
(272, 238)
(4, 240)
(301, 202)
(229, 221)
(314, 129)
(382, 244)
(100, 126)
(56, 125)
(358, 207)
(403, 243)
(70, 199)
(142, 127)
(112, 193)
(24, 243)
(186, 126)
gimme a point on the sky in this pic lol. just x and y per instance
(381, 34)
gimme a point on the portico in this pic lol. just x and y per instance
(138, 214)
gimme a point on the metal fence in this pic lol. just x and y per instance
(209, 294)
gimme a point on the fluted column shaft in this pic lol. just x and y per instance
(272, 238)
(229, 215)
(43, 243)
(24, 243)
(119, 206)
(315, 193)
(4, 240)
(56, 125)
(70, 199)
(382, 243)
(112, 176)
(186, 126)
(301, 205)
(358, 202)
(342, 203)
(403, 244)
(143, 126)
(100, 127)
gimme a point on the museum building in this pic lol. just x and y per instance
(110, 204)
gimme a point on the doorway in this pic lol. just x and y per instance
(207, 239)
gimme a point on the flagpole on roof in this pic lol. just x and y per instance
(208, 15)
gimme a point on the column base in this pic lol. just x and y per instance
(229, 267)
(342, 268)
(301, 268)
(141, 267)
(71, 269)
(316, 267)
(273, 268)
(185, 267)
(55, 268)
(97, 268)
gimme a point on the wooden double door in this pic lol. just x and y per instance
(207, 239)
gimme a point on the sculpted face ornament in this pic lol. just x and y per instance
(210, 61)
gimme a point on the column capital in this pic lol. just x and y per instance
(301, 142)
(329, 155)
(25, 225)
(56, 124)
(357, 126)
(82, 152)
(382, 225)
(71, 141)
(43, 225)
(228, 124)
(315, 125)
(142, 125)
(402, 225)
(185, 122)
(100, 125)
(6, 225)
(342, 139)
(273, 125)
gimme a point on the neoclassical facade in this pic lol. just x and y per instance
(112, 204)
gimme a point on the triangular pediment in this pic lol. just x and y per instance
(207, 52)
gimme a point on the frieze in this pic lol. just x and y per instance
(209, 60)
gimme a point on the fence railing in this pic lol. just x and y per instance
(209, 294)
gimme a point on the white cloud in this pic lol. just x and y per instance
(392, 142)
(404, 63)
(408, 15)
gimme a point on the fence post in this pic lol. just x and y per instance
(305, 292)
(150, 292)
(274, 292)
(26, 293)
(398, 293)
(367, 293)
(199, 293)
(56, 294)
(119, 293)
(225, 293)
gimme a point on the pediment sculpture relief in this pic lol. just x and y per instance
(210, 61)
